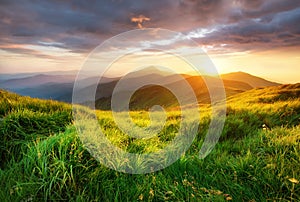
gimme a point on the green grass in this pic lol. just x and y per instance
(23, 119)
(256, 159)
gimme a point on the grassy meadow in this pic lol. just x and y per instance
(256, 159)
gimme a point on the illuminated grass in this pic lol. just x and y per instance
(257, 157)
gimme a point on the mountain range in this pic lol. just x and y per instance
(59, 86)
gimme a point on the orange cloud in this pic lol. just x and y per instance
(139, 20)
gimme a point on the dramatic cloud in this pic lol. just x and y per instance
(267, 32)
(79, 26)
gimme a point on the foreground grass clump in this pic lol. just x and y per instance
(256, 159)
(59, 168)
(24, 119)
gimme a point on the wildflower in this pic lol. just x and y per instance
(141, 197)
(151, 192)
(293, 180)
(265, 127)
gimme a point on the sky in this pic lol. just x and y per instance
(261, 37)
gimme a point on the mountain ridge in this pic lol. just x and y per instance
(252, 80)
(60, 87)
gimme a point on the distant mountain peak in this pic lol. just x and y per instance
(150, 70)
(154, 69)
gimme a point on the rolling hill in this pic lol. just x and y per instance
(253, 81)
(54, 91)
(49, 85)
(149, 95)
(35, 81)
(256, 159)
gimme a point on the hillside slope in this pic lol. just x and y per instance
(253, 81)
(256, 159)
(150, 95)
(25, 119)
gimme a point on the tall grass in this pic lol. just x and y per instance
(257, 158)
(23, 119)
